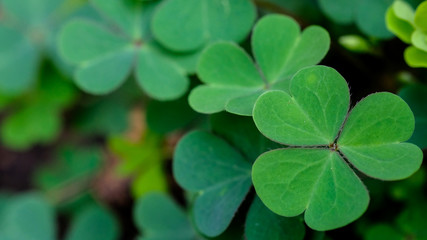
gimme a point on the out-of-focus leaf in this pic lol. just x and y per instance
(160, 218)
(28, 217)
(94, 223)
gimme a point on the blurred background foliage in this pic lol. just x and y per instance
(78, 166)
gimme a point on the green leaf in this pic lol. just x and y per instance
(142, 160)
(154, 179)
(19, 61)
(160, 77)
(399, 20)
(38, 118)
(419, 40)
(311, 114)
(37, 123)
(94, 42)
(183, 25)
(261, 223)
(235, 82)
(318, 181)
(416, 97)
(355, 43)
(281, 49)
(209, 166)
(28, 217)
(342, 12)
(93, 223)
(104, 75)
(420, 17)
(161, 218)
(105, 56)
(367, 14)
(370, 17)
(371, 138)
(127, 15)
(313, 175)
(415, 57)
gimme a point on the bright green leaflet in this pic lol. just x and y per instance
(28, 217)
(235, 82)
(410, 27)
(93, 223)
(68, 177)
(415, 57)
(261, 223)
(160, 218)
(367, 14)
(106, 56)
(314, 176)
(420, 19)
(355, 43)
(416, 97)
(209, 166)
(419, 40)
(38, 120)
(184, 25)
(399, 20)
(142, 160)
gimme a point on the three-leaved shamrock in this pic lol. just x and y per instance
(106, 55)
(315, 175)
(233, 82)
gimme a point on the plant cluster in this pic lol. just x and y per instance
(213, 119)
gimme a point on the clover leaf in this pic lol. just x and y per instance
(218, 169)
(185, 25)
(234, 83)
(159, 217)
(106, 55)
(209, 166)
(27, 216)
(261, 223)
(37, 118)
(367, 14)
(400, 20)
(416, 97)
(314, 175)
(27, 30)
